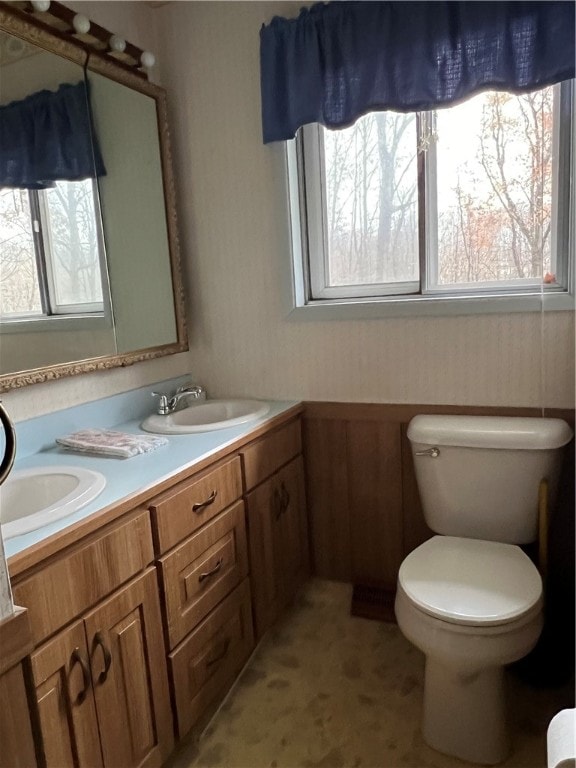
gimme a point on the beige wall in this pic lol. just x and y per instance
(234, 225)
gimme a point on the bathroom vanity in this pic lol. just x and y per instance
(143, 613)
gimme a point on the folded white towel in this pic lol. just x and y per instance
(107, 442)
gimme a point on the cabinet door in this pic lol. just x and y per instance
(65, 701)
(263, 510)
(291, 536)
(278, 542)
(128, 665)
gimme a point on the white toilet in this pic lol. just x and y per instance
(470, 599)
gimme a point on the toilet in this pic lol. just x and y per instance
(469, 598)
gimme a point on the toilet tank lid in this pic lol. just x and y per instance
(505, 432)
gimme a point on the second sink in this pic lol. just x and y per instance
(31, 498)
(206, 416)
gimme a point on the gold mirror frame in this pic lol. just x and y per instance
(34, 30)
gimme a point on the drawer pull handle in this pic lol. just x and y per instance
(212, 572)
(201, 506)
(77, 658)
(220, 656)
(99, 641)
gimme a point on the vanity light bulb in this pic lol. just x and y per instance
(117, 44)
(147, 59)
(41, 5)
(81, 23)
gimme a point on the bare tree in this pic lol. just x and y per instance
(522, 187)
(371, 193)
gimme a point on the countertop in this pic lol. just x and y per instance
(130, 482)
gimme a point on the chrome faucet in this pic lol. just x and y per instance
(169, 403)
(10, 445)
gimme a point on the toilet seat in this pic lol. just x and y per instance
(470, 581)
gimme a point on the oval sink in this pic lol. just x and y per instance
(206, 416)
(31, 498)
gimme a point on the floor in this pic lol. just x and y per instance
(327, 690)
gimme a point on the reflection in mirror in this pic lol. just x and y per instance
(132, 200)
(89, 263)
(52, 263)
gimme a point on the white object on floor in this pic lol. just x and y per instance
(562, 740)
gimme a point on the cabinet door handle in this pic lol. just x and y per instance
(285, 497)
(212, 572)
(78, 658)
(220, 656)
(201, 506)
(99, 641)
(277, 503)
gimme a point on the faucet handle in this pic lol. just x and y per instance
(163, 407)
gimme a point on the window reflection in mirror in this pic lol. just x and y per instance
(54, 300)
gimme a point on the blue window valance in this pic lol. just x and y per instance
(337, 61)
(48, 137)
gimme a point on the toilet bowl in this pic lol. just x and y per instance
(450, 603)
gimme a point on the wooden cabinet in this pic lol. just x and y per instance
(98, 667)
(162, 595)
(81, 576)
(277, 524)
(200, 532)
(202, 570)
(18, 748)
(101, 687)
(191, 504)
(206, 663)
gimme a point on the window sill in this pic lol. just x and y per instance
(429, 306)
(56, 323)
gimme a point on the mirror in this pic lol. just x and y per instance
(127, 304)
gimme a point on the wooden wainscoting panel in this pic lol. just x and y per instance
(415, 530)
(327, 494)
(375, 501)
(364, 508)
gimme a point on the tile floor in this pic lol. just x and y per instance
(327, 690)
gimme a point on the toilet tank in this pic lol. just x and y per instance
(478, 476)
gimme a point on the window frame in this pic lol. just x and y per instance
(71, 316)
(310, 299)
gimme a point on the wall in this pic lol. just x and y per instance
(234, 225)
(134, 21)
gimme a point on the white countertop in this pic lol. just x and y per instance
(126, 478)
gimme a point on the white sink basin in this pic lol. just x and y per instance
(31, 498)
(206, 416)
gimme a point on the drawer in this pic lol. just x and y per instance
(189, 505)
(78, 580)
(264, 457)
(204, 666)
(203, 570)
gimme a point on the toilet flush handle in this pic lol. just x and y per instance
(433, 452)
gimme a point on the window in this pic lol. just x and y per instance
(50, 251)
(469, 202)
